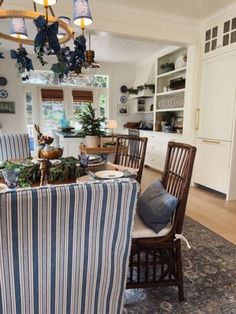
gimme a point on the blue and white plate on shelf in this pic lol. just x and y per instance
(3, 94)
(123, 99)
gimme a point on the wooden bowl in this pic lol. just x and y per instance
(52, 154)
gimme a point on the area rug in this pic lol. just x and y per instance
(209, 279)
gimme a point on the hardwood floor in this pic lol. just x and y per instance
(208, 208)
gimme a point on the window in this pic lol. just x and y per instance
(78, 107)
(52, 109)
(81, 99)
(29, 118)
(52, 112)
(103, 112)
(49, 109)
(47, 78)
(102, 105)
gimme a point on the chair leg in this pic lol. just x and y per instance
(180, 272)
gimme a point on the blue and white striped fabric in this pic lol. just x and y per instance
(14, 146)
(65, 249)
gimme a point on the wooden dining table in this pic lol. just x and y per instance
(88, 177)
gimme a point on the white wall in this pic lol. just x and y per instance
(12, 123)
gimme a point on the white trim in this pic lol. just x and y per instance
(226, 12)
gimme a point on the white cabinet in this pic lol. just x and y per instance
(216, 143)
(155, 154)
(219, 37)
(212, 164)
(217, 97)
(157, 148)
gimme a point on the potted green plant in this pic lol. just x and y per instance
(91, 126)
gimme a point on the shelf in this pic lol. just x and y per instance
(173, 92)
(170, 73)
(170, 109)
(146, 93)
(144, 112)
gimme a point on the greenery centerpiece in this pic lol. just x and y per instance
(30, 171)
(92, 126)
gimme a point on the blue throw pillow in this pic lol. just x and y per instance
(156, 206)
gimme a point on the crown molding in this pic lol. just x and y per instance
(229, 10)
(150, 13)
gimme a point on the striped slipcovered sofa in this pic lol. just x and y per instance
(64, 249)
(14, 146)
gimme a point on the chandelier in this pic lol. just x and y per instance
(52, 35)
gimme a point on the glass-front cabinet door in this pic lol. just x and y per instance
(220, 36)
(211, 39)
(229, 32)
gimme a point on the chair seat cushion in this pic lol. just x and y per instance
(156, 206)
(140, 230)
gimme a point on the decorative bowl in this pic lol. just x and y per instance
(51, 152)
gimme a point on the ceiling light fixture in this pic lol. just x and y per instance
(18, 28)
(32, 15)
(61, 31)
(46, 3)
(53, 31)
(82, 13)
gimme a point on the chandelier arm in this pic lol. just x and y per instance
(6, 14)
(51, 10)
(46, 12)
(35, 8)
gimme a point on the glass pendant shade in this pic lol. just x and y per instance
(18, 28)
(46, 3)
(82, 14)
(61, 31)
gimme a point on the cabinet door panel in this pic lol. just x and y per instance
(217, 97)
(156, 152)
(212, 164)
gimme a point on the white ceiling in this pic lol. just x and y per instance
(198, 9)
(188, 8)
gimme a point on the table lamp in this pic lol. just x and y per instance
(112, 124)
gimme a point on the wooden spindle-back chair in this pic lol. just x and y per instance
(130, 152)
(155, 259)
